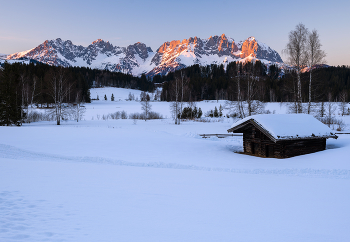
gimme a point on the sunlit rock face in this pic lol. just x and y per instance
(139, 59)
(215, 50)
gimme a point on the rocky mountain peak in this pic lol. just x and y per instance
(138, 49)
(98, 41)
(138, 58)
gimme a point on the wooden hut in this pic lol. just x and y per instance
(282, 135)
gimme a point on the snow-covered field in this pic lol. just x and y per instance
(126, 180)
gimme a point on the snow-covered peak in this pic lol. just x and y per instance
(214, 50)
(169, 56)
(98, 41)
(251, 38)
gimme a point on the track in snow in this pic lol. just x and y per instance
(11, 152)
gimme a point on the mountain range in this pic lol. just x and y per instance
(140, 59)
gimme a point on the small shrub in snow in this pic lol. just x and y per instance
(154, 115)
(37, 117)
(151, 115)
(134, 116)
(131, 97)
(190, 113)
(123, 115)
(115, 115)
(214, 113)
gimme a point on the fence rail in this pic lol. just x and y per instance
(219, 135)
(229, 135)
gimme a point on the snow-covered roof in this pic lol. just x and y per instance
(286, 126)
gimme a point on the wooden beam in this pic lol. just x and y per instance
(219, 135)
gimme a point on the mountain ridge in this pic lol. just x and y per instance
(140, 59)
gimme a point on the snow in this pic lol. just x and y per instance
(120, 180)
(15, 61)
(21, 54)
(145, 66)
(3, 56)
(102, 60)
(251, 38)
(289, 126)
(264, 46)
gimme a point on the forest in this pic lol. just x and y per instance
(255, 81)
(47, 86)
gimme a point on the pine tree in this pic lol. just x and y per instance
(216, 113)
(112, 98)
(194, 112)
(322, 110)
(10, 103)
(200, 113)
(220, 111)
(105, 97)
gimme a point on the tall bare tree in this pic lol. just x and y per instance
(175, 105)
(343, 96)
(247, 79)
(314, 56)
(79, 109)
(58, 90)
(178, 87)
(296, 50)
(146, 106)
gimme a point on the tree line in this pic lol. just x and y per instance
(45, 86)
(256, 81)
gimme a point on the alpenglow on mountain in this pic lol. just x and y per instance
(137, 59)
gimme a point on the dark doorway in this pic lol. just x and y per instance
(269, 151)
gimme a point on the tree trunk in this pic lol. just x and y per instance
(299, 107)
(309, 105)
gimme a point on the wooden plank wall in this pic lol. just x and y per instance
(257, 143)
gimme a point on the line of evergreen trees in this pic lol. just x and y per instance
(257, 82)
(36, 83)
(22, 85)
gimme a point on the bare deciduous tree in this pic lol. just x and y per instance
(343, 104)
(296, 51)
(314, 56)
(146, 106)
(331, 108)
(178, 89)
(248, 106)
(59, 88)
(175, 105)
(79, 109)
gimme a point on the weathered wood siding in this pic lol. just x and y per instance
(302, 147)
(257, 143)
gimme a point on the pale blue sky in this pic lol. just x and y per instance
(26, 24)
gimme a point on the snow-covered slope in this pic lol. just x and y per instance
(137, 59)
(124, 180)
